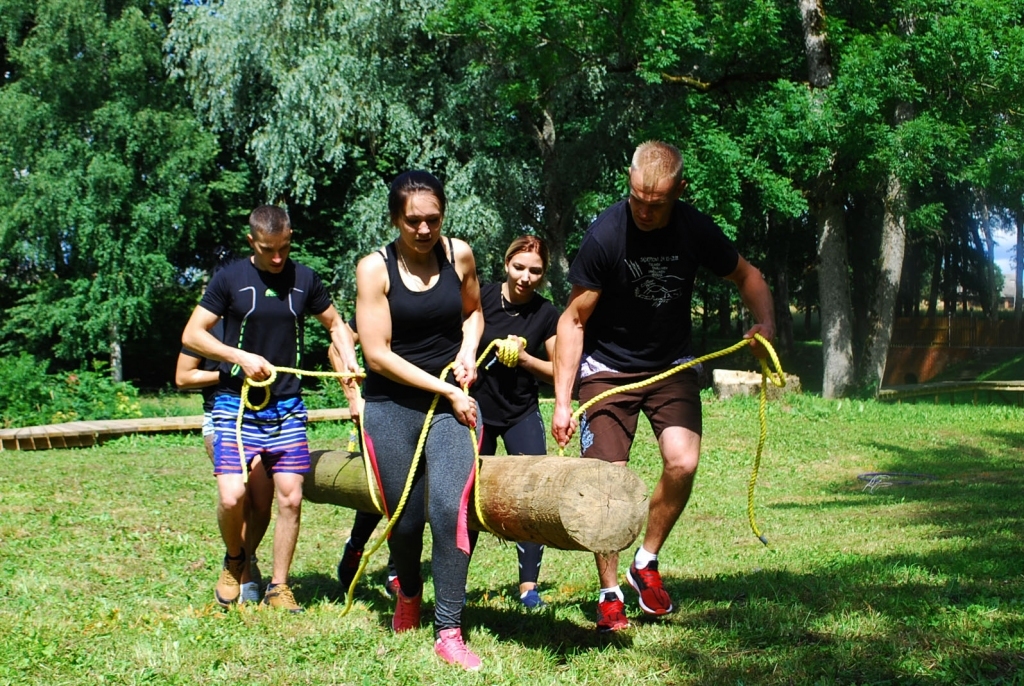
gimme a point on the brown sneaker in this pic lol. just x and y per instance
(228, 587)
(280, 596)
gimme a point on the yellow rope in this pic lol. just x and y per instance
(508, 354)
(777, 378)
(265, 384)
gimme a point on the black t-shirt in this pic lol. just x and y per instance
(208, 366)
(263, 314)
(642, 319)
(507, 394)
(426, 326)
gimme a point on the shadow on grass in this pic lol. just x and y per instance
(871, 620)
(543, 630)
(950, 615)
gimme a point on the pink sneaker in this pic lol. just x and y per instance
(407, 612)
(452, 650)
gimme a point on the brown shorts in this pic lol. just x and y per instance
(607, 429)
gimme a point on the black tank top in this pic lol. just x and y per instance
(426, 326)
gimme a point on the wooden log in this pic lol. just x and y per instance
(562, 502)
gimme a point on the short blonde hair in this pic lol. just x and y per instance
(655, 161)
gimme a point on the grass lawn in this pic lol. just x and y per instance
(108, 558)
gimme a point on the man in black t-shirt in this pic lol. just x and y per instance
(262, 300)
(628, 318)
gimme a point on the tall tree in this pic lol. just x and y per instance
(110, 172)
(827, 207)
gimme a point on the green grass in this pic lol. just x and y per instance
(1011, 370)
(108, 556)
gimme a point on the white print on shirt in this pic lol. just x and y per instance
(651, 280)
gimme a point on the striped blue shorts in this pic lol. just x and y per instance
(277, 434)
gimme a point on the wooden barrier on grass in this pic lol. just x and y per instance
(84, 434)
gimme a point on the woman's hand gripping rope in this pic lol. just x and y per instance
(245, 403)
(776, 377)
(507, 352)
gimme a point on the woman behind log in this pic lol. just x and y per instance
(507, 395)
(417, 310)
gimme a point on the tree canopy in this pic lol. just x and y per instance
(860, 154)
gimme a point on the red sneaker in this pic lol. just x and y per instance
(611, 614)
(407, 612)
(451, 648)
(654, 598)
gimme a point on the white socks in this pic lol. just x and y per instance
(642, 558)
(614, 589)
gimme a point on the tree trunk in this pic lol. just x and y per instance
(1018, 287)
(778, 259)
(894, 242)
(933, 288)
(116, 361)
(816, 46)
(993, 294)
(562, 502)
(833, 273)
(834, 295)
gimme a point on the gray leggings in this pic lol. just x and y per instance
(444, 470)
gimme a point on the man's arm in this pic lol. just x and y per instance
(342, 354)
(197, 337)
(188, 376)
(341, 338)
(758, 298)
(568, 350)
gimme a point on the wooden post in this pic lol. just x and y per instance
(562, 502)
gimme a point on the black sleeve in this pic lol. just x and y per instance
(217, 298)
(716, 252)
(319, 299)
(191, 353)
(590, 268)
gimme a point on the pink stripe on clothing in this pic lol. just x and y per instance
(462, 527)
(372, 454)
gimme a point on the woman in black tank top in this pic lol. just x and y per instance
(418, 310)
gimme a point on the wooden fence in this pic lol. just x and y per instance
(956, 332)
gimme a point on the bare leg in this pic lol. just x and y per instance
(231, 511)
(680, 452)
(608, 565)
(286, 531)
(261, 498)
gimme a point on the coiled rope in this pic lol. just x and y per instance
(507, 352)
(777, 379)
(246, 404)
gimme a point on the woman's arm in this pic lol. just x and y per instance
(542, 369)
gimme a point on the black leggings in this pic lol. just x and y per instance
(526, 437)
(441, 483)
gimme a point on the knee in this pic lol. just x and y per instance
(261, 506)
(681, 466)
(232, 498)
(289, 500)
